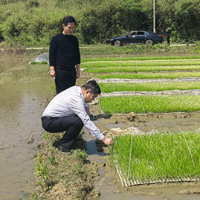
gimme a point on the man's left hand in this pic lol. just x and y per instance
(78, 73)
(107, 141)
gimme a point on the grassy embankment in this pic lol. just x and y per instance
(63, 176)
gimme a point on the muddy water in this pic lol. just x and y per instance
(21, 106)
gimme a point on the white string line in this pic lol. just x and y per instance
(129, 166)
(186, 143)
(130, 158)
(142, 104)
(135, 91)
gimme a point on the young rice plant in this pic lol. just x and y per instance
(158, 157)
(157, 86)
(144, 104)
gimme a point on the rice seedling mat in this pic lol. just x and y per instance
(157, 158)
(127, 182)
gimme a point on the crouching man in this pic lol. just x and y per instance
(69, 112)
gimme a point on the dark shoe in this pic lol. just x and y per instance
(63, 150)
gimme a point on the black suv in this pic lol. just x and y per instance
(145, 37)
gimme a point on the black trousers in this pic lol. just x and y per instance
(71, 124)
(168, 39)
(65, 78)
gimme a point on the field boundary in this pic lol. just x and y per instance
(145, 93)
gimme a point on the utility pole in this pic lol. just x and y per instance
(154, 16)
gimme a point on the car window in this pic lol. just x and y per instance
(133, 33)
(140, 33)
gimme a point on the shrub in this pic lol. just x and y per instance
(34, 27)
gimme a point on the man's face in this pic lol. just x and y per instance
(90, 96)
(69, 28)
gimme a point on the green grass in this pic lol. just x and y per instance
(141, 69)
(160, 156)
(138, 63)
(100, 50)
(42, 62)
(103, 65)
(148, 75)
(146, 68)
(125, 58)
(161, 86)
(144, 104)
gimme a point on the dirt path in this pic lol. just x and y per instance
(117, 80)
(166, 92)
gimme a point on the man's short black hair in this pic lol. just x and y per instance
(68, 19)
(93, 86)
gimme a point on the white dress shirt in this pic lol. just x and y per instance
(70, 102)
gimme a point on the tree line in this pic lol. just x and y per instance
(34, 22)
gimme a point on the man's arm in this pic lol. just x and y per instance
(82, 111)
(87, 110)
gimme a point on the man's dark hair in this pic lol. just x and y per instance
(93, 86)
(68, 19)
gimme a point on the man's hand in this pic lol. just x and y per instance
(78, 73)
(107, 141)
(52, 72)
(93, 117)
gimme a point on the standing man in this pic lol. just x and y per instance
(168, 32)
(69, 112)
(64, 56)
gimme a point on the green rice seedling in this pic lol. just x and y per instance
(41, 169)
(144, 104)
(52, 160)
(148, 75)
(43, 62)
(141, 69)
(158, 86)
(140, 58)
(159, 157)
(139, 63)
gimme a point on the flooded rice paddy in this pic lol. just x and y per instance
(21, 106)
(22, 101)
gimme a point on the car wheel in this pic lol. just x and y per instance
(149, 42)
(117, 43)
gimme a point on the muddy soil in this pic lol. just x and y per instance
(22, 101)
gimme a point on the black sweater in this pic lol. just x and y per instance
(64, 51)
